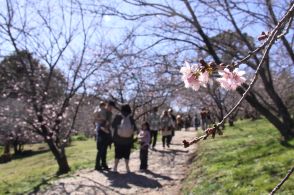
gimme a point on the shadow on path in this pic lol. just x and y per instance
(124, 180)
(156, 175)
(171, 151)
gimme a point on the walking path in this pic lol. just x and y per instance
(166, 169)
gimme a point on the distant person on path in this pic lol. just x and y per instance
(173, 125)
(102, 120)
(166, 124)
(196, 121)
(144, 140)
(187, 122)
(124, 127)
(179, 122)
(204, 118)
(154, 121)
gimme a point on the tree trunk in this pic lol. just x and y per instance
(6, 157)
(285, 128)
(231, 121)
(60, 157)
(15, 148)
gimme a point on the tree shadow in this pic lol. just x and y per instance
(177, 144)
(124, 180)
(28, 153)
(156, 175)
(171, 150)
(286, 144)
(24, 154)
(98, 187)
(43, 182)
(62, 188)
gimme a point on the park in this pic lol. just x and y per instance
(140, 96)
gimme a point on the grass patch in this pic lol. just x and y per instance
(22, 175)
(247, 159)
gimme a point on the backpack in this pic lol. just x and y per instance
(125, 128)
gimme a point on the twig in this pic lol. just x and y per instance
(287, 29)
(282, 182)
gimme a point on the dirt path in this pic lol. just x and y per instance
(167, 168)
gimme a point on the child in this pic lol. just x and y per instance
(144, 140)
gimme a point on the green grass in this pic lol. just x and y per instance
(247, 159)
(24, 174)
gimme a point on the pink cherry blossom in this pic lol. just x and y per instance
(204, 78)
(189, 78)
(231, 80)
(194, 83)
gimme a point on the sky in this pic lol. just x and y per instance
(111, 28)
(106, 30)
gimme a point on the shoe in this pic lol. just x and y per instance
(98, 168)
(105, 167)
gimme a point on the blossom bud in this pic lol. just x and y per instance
(203, 63)
(212, 64)
(263, 36)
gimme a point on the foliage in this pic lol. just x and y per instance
(79, 137)
(15, 81)
(16, 112)
(248, 159)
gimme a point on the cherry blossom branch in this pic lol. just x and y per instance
(282, 182)
(270, 39)
(287, 29)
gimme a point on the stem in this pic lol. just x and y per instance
(283, 181)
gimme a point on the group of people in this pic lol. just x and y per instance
(186, 121)
(166, 123)
(107, 132)
(121, 130)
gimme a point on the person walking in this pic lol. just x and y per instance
(204, 118)
(102, 120)
(154, 121)
(144, 140)
(124, 128)
(179, 122)
(173, 124)
(187, 122)
(166, 124)
(196, 121)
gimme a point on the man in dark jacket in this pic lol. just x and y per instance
(103, 137)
